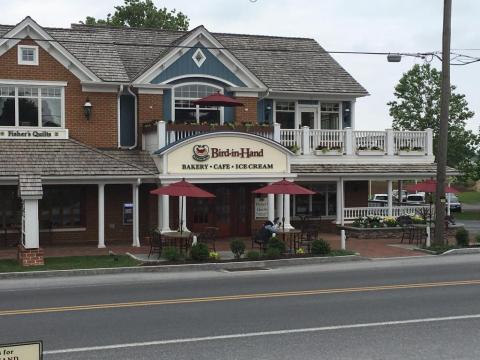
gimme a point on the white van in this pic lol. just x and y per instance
(416, 199)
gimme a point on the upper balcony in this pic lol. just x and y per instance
(315, 145)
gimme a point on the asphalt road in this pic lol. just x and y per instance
(417, 308)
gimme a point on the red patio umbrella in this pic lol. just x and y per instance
(430, 186)
(284, 187)
(182, 188)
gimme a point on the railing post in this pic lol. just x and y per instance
(349, 141)
(162, 134)
(390, 142)
(276, 132)
(429, 145)
(305, 140)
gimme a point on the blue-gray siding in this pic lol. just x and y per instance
(127, 120)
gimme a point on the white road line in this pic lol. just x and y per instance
(262, 333)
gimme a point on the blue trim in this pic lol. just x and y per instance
(167, 105)
(127, 120)
(346, 114)
(265, 115)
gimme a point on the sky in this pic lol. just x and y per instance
(346, 25)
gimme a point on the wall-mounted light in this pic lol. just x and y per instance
(87, 109)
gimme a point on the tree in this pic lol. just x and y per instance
(143, 13)
(417, 107)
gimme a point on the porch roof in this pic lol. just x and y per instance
(64, 158)
(374, 169)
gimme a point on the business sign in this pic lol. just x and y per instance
(261, 208)
(32, 133)
(22, 351)
(227, 155)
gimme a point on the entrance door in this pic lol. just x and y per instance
(308, 117)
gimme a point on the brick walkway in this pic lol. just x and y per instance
(372, 248)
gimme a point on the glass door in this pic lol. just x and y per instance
(308, 117)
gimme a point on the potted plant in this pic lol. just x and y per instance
(294, 148)
(328, 150)
(370, 150)
(409, 151)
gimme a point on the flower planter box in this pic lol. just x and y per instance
(216, 128)
(371, 152)
(411, 152)
(328, 152)
(384, 232)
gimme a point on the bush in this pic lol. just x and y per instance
(238, 248)
(276, 243)
(272, 253)
(171, 253)
(320, 247)
(462, 237)
(215, 256)
(199, 252)
(253, 255)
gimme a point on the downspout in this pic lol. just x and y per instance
(129, 89)
(120, 92)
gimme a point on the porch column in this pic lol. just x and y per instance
(390, 200)
(136, 236)
(448, 201)
(165, 213)
(279, 204)
(339, 201)
(287, 212)
(31, 227)
(271, 206)
(101, 215)
(159, 213)
(182, 204)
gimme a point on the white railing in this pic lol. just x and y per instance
(410, 141)
(331, 139)
(291, 137)
(356, 212)
(176, 135)
(369, 140)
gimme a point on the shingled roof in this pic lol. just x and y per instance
(62, 158)
(371, 169)
(118, 54)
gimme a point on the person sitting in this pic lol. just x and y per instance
(265, 233)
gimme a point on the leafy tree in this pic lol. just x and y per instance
(417, 107)
(143, 13)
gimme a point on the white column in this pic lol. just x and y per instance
(159, 213)
(448, 201)
(305, 140)
(182, 204)
(429, 149)
(390, 142)
(161, 134)
(390, 194)
(271, 206)
(31, 227)
(279, 204)
(135, 227)
(339, 201)
(287, 212)
(165, 213)
(101, 215)
(349, 141)
(352, 114)
(276, 132)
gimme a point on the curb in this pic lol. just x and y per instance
(462, 251)
(181, 267)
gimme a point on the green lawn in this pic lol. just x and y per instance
(467, 215)
(72, 262)
(469, 197)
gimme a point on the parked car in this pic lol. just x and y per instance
(380, 197)
(416, 199)
(404, 195)
(455, 204)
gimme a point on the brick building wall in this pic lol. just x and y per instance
(101, 130)
(150, 108)
(248, 112)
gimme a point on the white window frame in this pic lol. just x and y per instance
(197, 116)
(39, 86)
(294, 111)
(20, 49)
(340, 113)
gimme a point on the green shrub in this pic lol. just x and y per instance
(477, 238)
(320, 247)
(214, 256)
(272, 253)
(253, 255)
(276, 243)
(237, 247)
(199, 252)
(462, 237)
(171, 253)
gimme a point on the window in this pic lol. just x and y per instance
(187, 112)
(285, 114)
(61, 207)
(330, 116)
(33, 106)
(10, 208)
(27, 55)
(323, 203)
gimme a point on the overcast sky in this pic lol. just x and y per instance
(368, 25)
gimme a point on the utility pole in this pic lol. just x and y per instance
(443, 130)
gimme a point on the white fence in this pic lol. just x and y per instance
(410, 141)
(370, 140)
(331, 139)
(356, 212)
(291, 137)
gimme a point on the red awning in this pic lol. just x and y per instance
(284, 187)
(218, 100)
(429, 186)
(182, 188)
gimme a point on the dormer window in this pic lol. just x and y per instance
(27, 55)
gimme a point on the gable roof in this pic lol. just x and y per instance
(119, 54)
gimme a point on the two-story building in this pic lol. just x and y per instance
(93, 118)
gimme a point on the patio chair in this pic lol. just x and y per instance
(208, 236)
(309, 235)
(155, 240)
(406, 223)
(258, 240)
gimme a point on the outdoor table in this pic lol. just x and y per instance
(178, 239)
(293, 237)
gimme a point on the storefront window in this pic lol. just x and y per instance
(187, 112)
(37, 106)
(285, 114)
(323, 203)
(61, 207)
(330, 116)
(10, 208)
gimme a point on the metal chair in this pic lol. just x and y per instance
(260, 239)
(406, 223)
(309, 234)
(208, 236)
(155, 239)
